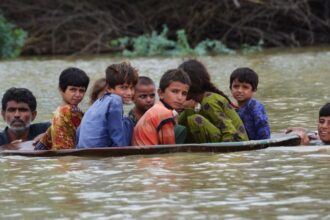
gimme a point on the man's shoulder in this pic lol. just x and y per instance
(3, 138)
(42, 126)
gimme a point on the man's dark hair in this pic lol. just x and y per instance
(245, 75)
(19, 95)
(73, 77)
(325, 110)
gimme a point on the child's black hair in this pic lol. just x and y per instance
(73, 76)
(144, 80)
(245, 75)
(200, 79)
(173, 75)
(325, 110)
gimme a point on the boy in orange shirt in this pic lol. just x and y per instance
(157, 125)
(144, 98)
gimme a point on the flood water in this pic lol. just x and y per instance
(274, 183)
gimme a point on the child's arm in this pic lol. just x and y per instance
(224, 117)
(260, 119)
(116, 129)
(63, 132)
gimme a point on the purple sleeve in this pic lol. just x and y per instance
(261, 122)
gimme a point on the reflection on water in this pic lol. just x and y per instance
(276, 183)
(265, 184)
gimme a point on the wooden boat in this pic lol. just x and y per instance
(224, 147)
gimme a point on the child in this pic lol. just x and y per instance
(157, 125)
(103, 124)
(217, 120)
(73, 83)
(243, 85)
(98, 90)
(323, 129)
(144, 98)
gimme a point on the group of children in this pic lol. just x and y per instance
(190, 109)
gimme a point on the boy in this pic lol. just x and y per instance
(103, 125)
(243, 85)
(144, 98)
(73, 83)
(18, 111)
(323, 129)
(157, 125)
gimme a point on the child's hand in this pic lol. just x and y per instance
(37, 139)
(301, 132)
(189, 104)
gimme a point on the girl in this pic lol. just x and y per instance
(217, 120)
(73, 83)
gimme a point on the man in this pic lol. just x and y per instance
(18, 111)
(323, 129)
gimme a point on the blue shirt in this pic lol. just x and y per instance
(103, 125)
(255, 119)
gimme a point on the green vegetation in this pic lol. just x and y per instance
(159, 45)
(11, 39)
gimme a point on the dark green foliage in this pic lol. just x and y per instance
(159, 45)
(11, 39)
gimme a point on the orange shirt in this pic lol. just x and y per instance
(145, 131)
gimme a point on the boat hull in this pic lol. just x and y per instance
(223, 147)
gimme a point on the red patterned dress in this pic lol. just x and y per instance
(62, 133)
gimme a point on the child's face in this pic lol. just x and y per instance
(144, 97)
(241, 91)
(73, 95)
(324, 129)
(125, 91)
(175, 95)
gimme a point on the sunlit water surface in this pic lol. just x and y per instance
(275, 183)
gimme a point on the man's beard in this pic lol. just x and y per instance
(20, 128)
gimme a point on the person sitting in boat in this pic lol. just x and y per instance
(322, 136)
(18, 111)
(159, 124)
(103, 124)
(215, 120)
(243, 86)
(144, 98)
(98, 90)
(73, 83)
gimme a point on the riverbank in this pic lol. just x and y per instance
(62, 27)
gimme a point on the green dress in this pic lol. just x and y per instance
(217, 121)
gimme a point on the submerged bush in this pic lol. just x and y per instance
(158, 44)
(11, 39)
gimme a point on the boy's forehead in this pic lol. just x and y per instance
(179, 84)
(145, 87)
(238, 80)
(126, 84)
(76, 87)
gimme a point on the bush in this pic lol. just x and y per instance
(159, 45)
(11, 39)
